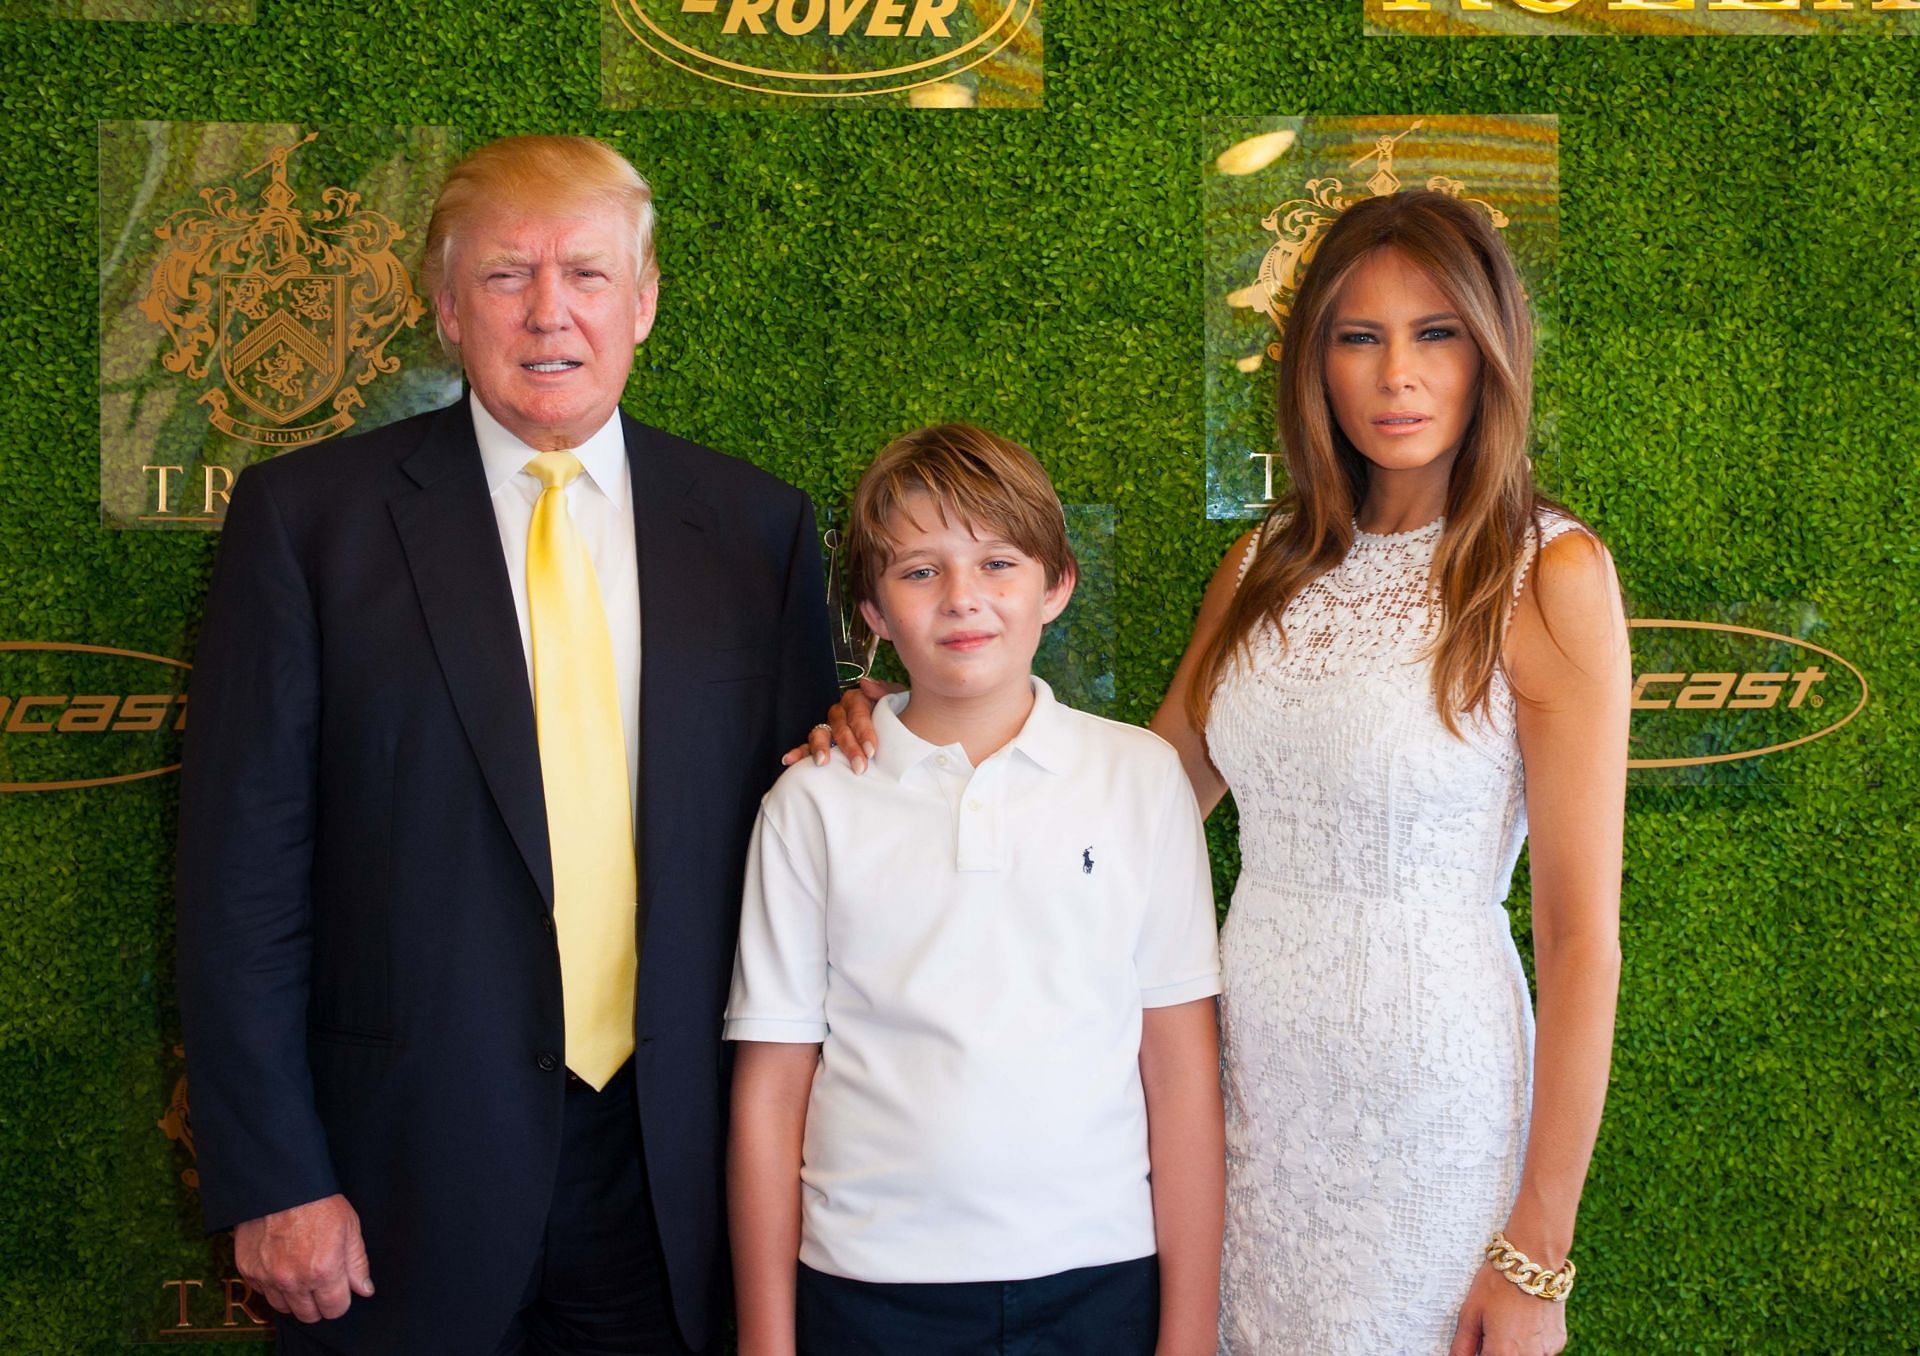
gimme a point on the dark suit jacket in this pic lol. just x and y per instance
(368, 976)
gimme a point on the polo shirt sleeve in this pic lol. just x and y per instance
(1178, 956)
(780, 970)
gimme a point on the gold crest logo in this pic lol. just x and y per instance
(1299, 223)
(297, 305)
(177, 1124)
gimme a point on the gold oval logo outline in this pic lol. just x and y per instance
(1650, 623)
(74, 647)
(621, 7)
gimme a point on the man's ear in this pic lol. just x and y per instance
(1055, 600)
(648, 307)
(876, 623)
(447, 318)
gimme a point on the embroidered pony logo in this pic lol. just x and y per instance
(1086, 860)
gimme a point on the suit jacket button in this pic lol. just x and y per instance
(548, 1062)
(546, 921)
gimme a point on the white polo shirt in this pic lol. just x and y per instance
(973, 947)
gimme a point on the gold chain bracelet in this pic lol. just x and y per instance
(1528, 1274)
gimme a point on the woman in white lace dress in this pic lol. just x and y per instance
(1416, 658)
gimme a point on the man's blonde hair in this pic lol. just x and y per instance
(992, 486)
(560, 175)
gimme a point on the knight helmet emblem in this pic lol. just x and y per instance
(296, 305)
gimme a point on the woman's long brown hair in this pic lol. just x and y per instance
(1492, 504)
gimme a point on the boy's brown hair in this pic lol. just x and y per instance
(991, 485)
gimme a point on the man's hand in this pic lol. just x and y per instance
(308, 1261)
(849, 724)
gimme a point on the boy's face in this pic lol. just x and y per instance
(964, 612)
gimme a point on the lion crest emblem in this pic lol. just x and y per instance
(293, 306)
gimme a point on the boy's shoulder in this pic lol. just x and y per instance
(1110, 744)
(808, 790)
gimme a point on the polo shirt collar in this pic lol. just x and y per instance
(1045, 739)
(603, 457)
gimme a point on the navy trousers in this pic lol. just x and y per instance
(600, 1285)
(1093, 1311)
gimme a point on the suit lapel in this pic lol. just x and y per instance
(452, 545)
(670, 526)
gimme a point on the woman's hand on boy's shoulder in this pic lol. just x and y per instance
(849, 724)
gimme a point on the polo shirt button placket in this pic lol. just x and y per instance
(980, 820)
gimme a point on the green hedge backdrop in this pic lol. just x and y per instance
(1737, 382)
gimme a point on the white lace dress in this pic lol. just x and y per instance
(1378, 1036)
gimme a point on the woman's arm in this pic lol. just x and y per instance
(848, 724)
(1568, 660)
(1171, 722)
(1186, 1155)
(771, 1084)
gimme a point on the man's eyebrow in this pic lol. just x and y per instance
(521, 259)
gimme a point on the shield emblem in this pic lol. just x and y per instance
(283, 340)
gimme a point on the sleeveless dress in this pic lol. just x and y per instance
(1377, 1031)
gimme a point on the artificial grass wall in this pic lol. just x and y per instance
(1735, 380)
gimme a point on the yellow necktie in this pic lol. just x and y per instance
(583, 767)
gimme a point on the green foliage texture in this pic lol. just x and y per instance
(1736, 384)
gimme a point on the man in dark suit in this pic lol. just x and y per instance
(483, 706)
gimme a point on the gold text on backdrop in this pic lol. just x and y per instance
(61, 717)
(232, 1300)
(884, 18)
(214, 487)
(1713, 706)
(825, 49)
(1642, 18)
(1646, 6)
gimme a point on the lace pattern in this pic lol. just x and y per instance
(1378, 1035)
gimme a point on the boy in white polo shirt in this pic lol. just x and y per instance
(976, 1105)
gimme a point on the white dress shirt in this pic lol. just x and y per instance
(600, 501)
(973, 947)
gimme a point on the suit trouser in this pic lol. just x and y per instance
(599, 1286)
